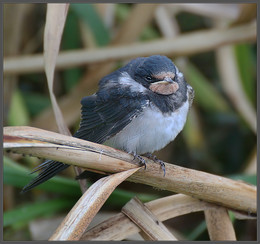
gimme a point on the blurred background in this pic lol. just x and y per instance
(214, 45)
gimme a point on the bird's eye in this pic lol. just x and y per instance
(149, 78)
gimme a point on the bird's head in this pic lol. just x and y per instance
(157, 73)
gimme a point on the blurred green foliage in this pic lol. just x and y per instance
(71, 40)
(18, 112)
(246, 61)
(88, 14)
(23, 214)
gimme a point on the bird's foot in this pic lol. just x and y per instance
(156, 160)
(140, 159)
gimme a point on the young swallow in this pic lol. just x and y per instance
(138, 108)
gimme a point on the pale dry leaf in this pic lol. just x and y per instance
(247, 12)
(219, 225)
(147, 221)
(55, 20)
(120, 227)
(232, 84)
(213, 11)
(108, 13)
(80, 216)
(167, 23)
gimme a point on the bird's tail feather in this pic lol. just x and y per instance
(49, 169)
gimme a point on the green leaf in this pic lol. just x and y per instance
(88, 14)
(35, 103)
(122, 11)
(149, 33)
(17, 175)
(71, 40)
(29, 212)
(232, 216)
(247, 68)
(196, 232)
(251, 179)
(18, 114)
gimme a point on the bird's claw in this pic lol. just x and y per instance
(150, 156)
(140, 159)
(162, 166)
(156, 160)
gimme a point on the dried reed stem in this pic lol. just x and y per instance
(219, 225)
(119, 226)
(180, 46)
(223, 191)
(153, 228)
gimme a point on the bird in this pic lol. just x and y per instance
(138, 108)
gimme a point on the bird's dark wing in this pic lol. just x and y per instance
(102, 116)
(102, 119)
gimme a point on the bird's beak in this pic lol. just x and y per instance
(167, 79)
(165, 87)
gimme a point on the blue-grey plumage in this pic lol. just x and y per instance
(138, 108)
